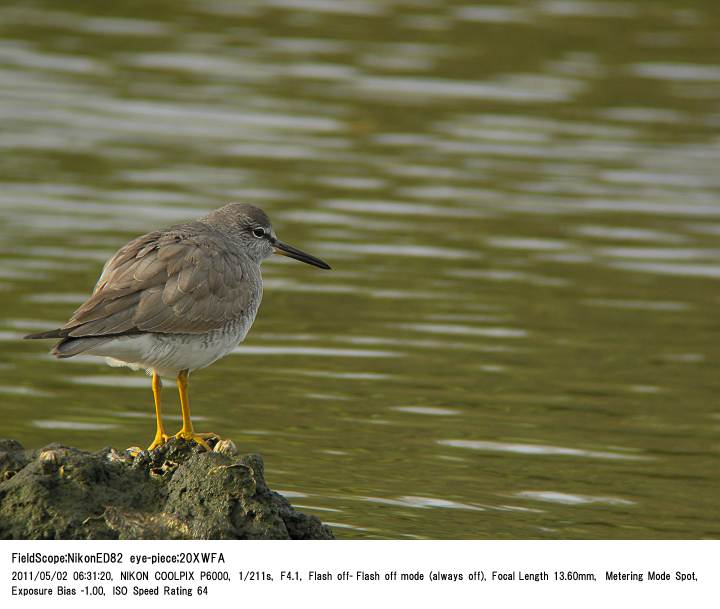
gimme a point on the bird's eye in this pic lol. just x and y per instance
(259, 232)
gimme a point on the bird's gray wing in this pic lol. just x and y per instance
(174, 282)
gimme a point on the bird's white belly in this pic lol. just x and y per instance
(168, 354)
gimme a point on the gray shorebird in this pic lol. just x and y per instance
(176, 300)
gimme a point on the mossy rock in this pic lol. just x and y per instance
(178, 491)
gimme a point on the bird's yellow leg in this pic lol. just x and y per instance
(187, 432)
(160, 436)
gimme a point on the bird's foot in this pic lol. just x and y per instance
(196, 437)
(160, 438)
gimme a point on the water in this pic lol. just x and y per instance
(521, 205)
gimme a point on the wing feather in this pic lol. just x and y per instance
(180, 281)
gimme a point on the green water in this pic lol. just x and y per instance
(521, 204)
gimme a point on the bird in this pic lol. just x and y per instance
(175, 300)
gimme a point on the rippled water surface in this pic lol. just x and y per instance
(521, 204)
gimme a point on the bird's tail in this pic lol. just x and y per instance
(59, 333)
(69, 346)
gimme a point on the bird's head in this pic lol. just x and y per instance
(251, 226)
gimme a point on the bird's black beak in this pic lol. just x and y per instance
(291, 252)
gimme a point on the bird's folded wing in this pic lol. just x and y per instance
(169, 282)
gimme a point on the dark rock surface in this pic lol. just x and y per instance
(178, 491)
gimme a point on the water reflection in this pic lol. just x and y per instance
(538, 449)
(71, 425)
(428, 410)
(569, 499)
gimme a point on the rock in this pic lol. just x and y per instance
(178, 491)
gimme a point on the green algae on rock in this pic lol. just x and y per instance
(177, 491)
